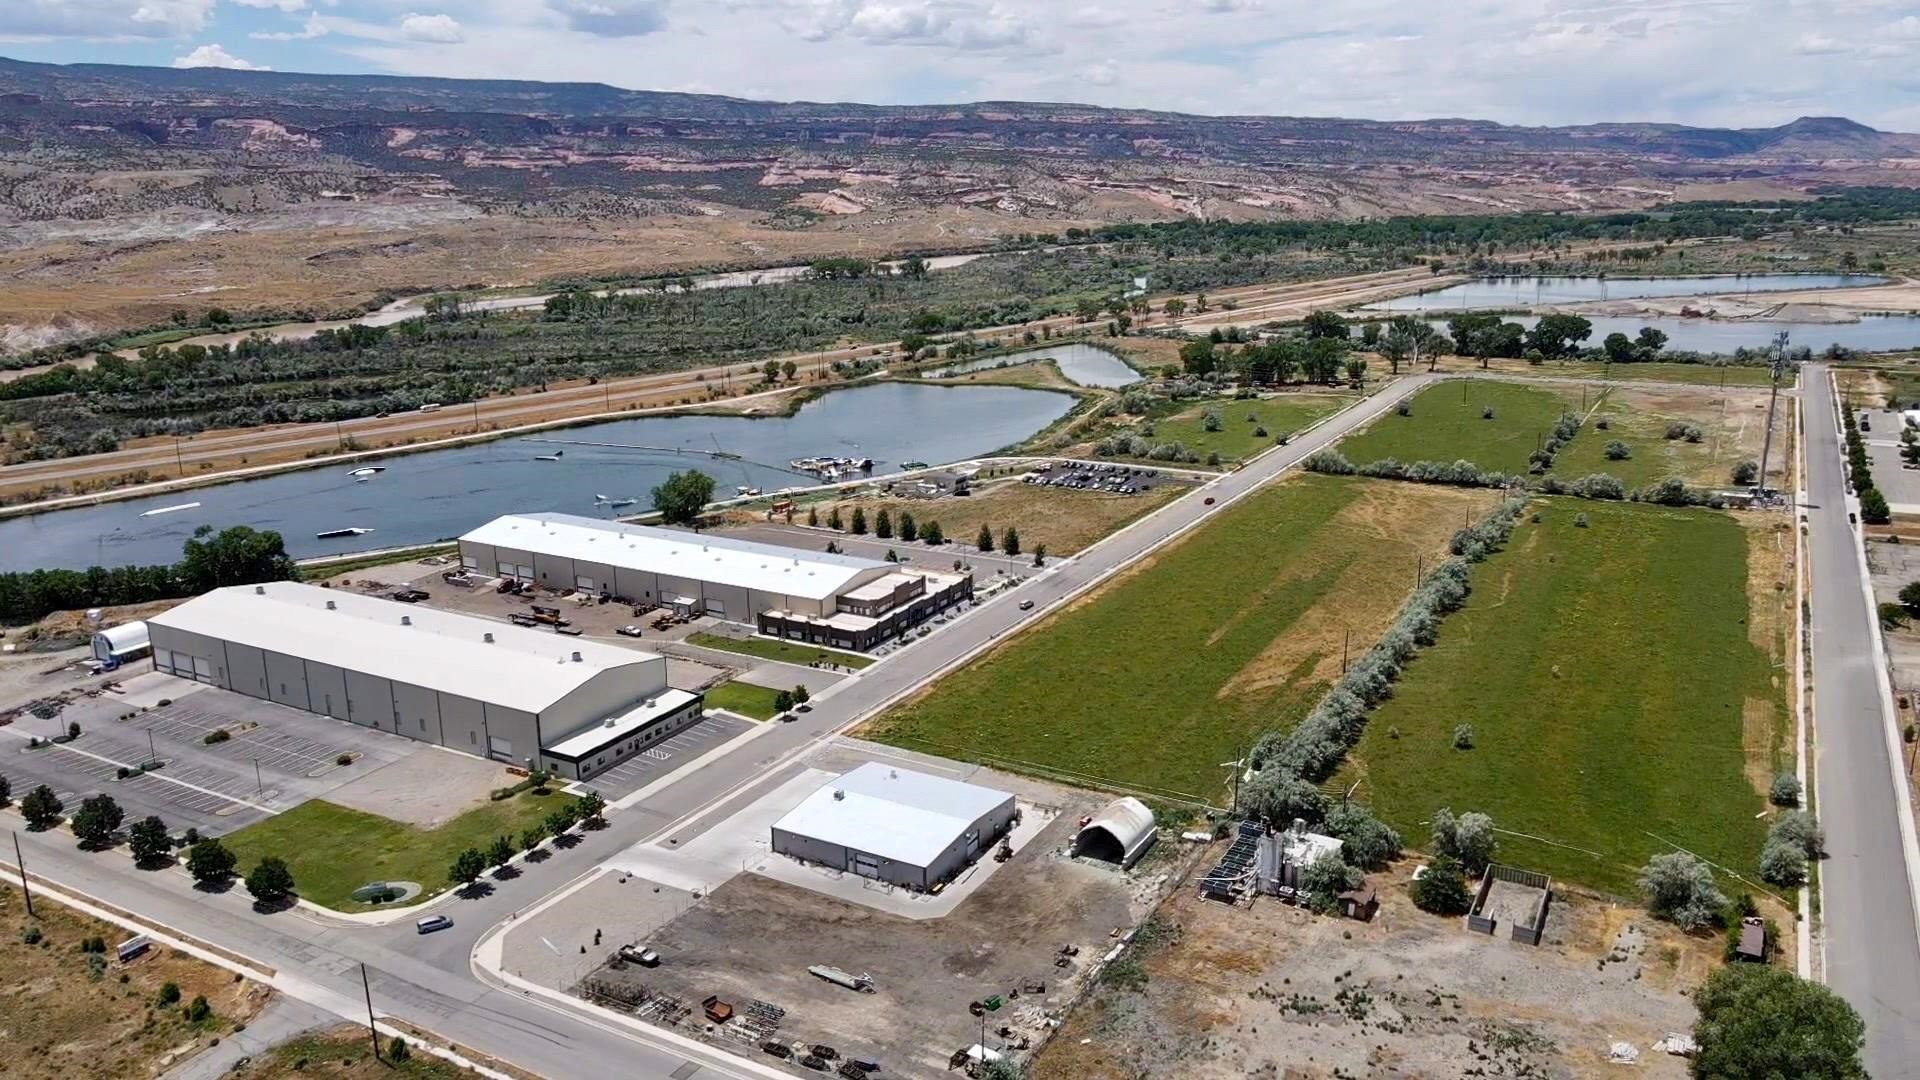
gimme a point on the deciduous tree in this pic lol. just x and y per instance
(682, 496)
(1758, 1021)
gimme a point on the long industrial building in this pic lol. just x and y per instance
(895, 825)
(834, 600)
(516, 695)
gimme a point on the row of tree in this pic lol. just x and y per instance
(237, 555)
(1873, 505)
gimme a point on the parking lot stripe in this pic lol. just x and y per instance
(115, 765)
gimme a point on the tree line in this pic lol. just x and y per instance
(238, 555)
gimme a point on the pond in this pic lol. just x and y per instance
(438, 494)
(1083, 365)
(1529, 291)
(1873, 333)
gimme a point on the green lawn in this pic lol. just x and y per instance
(333, 850)
(1609, 680)
(793, 652)
(1169, 672)
(1236, 441)
(743, 698)
(1447, 424)
(1696, 374)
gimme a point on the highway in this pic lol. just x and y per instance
(432, 982)
(1871, 936)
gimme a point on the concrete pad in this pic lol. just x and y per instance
(148, 689)
(724, 850)
(426, 788)
(624, 909)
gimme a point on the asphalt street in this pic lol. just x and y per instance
(1872, 943)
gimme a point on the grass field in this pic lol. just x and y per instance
(342, 1053)
(1615, 689)
(333, 850)
(772, 649)
(1694, 374)
(1734, 423)
(1236, 441)
(743, 698)
(1447, 425)
(1168, 671)
(60, 1021)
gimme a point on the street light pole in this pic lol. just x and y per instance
(1773, 399)
(21, 862)
(152, 754)
(372, 1031)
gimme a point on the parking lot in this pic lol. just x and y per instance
(273, 759)
(1095, 476)
(671, 753)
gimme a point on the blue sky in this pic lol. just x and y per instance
(1716, 62)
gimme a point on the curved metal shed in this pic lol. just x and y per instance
(1121, 833)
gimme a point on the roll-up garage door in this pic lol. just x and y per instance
(582, 581)
(203, 669)
(715, 607)
(499, 747)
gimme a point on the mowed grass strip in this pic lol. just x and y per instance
(1613, 692)
(1448, 424)
(1694, 374)
(744, 698)
(333, 850)
(1240, 420)
(1160, 677)
(774, 649)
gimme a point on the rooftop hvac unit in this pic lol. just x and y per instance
(406, 620)
(839, 793)
(331, 606)
(259, 590)
(576, 658)
(487, 637)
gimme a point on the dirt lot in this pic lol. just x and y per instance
(1064, 520)
(59, 1020)
(754, 937)
(1273, 991)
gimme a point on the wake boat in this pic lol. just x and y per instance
(334, 534)
(367, 472)
(168, 509)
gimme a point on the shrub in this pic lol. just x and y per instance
(1785, 790)
(1797, 827)
(30, 935)
(1746, 473)
(217, 735)
(1580, 521)
(1486, 413)
(1679, 887)
(1366, 841)
(1463, 737)
(169, 993)
(198, 1010)
(1873, 507)
(1597, 486)
(1405, 408)
(1324, 879)
(1602, 423)
(1910, 596)
(1782, 864)
(343, 759)
(398, 1052)
(1618, 451)
(1764, 1021)
(1442, 890)
(1468, 838)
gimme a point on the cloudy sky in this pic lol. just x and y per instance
(1718, 62)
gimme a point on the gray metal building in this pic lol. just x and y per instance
(895, 825)
(515, 695)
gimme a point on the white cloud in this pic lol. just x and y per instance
(441, 29)
(213, 56)
(1104, 73)
(1223, 7)
(955, 24)
(98, 20)
(314, 27)
(288, 6)
(612, 18)
(1819, 45)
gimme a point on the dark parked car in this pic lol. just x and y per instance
(410, 596)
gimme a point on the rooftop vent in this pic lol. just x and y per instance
(576, 658)
(487, 637)
(839, 793)
(331, 606)
(259, 590)
(406, 620)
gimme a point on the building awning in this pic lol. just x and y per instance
(585, 744)
(678, 601)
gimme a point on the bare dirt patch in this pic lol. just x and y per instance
(1766, 723)
(1064, 520)
(1273, 991)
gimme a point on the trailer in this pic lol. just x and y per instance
(861, 983)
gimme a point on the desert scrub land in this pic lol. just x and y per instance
(66, 1012)
(1158, 677)
(1732, 425)
(1449, 423)
(1621, 691)
(342, 1053)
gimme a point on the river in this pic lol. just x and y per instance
(1529, 291)
(1872, 333)
(1083, 365)
(438, 494)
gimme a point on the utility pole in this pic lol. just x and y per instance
(1346, 640)
(372, 1031)
(21, 862)
(1773, 400)
(152, 754)
(259, 788)
(179, 463)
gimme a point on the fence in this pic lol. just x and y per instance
(1527, 929)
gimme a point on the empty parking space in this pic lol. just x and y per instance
(671, 753)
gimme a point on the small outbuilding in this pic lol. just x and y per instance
(117, 645)
(895, 825)
(1752, 946)
(1121, 833)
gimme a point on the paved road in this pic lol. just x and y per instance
(1872, 942)
(430, 980)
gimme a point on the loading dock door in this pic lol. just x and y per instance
(866, 865)
(500, 748)
(715, 607)
(202, 669)
(582, 581)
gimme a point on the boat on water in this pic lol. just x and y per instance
(335, 534)
(915, 465)
(745, 490)
(168, 509)
(367, 471)
(555, 456)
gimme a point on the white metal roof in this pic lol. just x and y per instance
(522, 669)
(1127, 820)
(894, 813)
(767, 568)
(614, 728)
(125, 638)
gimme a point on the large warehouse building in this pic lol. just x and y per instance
(516, 695)
(894, 825)
(835, 600)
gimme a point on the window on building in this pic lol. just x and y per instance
(473, 737)
(423, 723)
